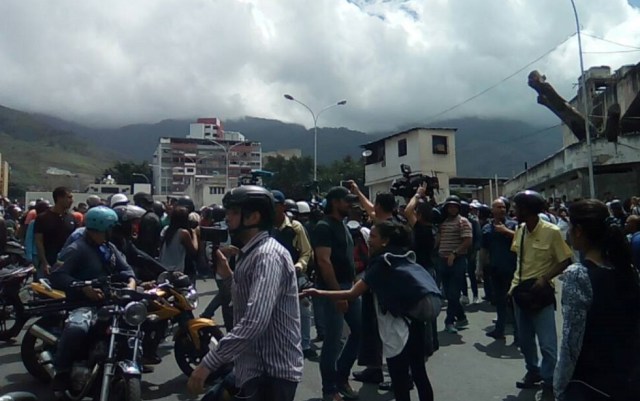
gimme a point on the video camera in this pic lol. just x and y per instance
(256, 178)
(408, 185)
(216, 234)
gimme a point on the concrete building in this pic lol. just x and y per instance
(197, 165)
(429, 151)
(483, 189)
(614, 116)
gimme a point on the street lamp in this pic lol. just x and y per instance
(315, 129)
(592, 190)
(141, 175)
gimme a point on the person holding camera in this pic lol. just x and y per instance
(292, 235)
(542, 254)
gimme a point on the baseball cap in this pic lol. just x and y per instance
(142, 197)
(278, 196)
(340, 193)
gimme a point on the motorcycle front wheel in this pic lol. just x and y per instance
(126, 388)
(184, 350)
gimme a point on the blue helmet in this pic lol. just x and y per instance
(101, 219)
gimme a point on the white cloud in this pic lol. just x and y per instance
(396, 62)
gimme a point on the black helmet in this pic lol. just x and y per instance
(216, 213)
(464, 208)
(252, 198)
(484, 211)
(436, 215)
(187, 202)
(530, 200)
(452, 200)
(290, 206)
(128, 213)
(158, 208)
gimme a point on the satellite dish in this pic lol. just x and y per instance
(367, 153)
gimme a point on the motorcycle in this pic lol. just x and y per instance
(176, 300)
(18, 396)
(14, 255)
(111, 367)
(12, 279)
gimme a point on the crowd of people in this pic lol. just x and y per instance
(287, 266)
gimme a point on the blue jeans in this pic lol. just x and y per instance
(74, 338)
(452, 279)
(305, 323)
(542, 325)
(336, 361)
(318, 318)
(501, 284)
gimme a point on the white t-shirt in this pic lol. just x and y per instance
(394, 332)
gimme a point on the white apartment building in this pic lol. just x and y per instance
(430, 151)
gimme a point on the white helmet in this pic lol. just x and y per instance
(303, 207)
(119, 199)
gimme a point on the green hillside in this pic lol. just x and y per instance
(32, 146)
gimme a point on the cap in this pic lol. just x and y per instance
(340, 193)
(278, 196)
(142, 197)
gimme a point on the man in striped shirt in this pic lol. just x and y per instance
(264, 344)
(455, 237)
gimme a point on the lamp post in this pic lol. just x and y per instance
(141, 175)
(227, 150)
(315, 129)
(585, 105)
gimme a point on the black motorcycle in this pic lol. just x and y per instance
(12, 319)
(110, 369)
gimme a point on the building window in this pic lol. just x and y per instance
(216, 190)
(440, 145)
(402, 147)
(377, 153)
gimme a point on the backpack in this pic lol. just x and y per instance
(415, 292)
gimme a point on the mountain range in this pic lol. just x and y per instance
(484, 146)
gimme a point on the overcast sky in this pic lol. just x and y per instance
(108, 63)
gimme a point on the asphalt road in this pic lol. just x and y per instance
(468, 366)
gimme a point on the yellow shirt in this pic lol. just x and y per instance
(543, 249)
(300, 242)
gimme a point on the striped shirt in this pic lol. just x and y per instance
(453, 231)
(265, 339)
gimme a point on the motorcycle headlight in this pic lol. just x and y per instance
(192, 298)
(135, 313)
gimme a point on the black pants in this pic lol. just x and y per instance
(411, 357)
(370, 353)
(501, 283)
(267, 389)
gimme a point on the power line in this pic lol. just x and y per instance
(614, 51)
(530, 134)
(431, 118)
(610, 41)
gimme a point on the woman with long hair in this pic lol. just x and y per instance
(178, 239)
(601, 309)
(402, 338)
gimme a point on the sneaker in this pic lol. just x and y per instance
(464, 300)
(449, 328)
(332, 397)
(461, 324)
(496, 335)
(477, 300)
(530, 380)
(151, 360)
(310, 353)
(369, 375)
(347, 392)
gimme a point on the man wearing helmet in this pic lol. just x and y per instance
(265, 342)
(150, 226)
(542, 254)
(89, 258)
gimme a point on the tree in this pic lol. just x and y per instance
(294, 177)
(123, 172)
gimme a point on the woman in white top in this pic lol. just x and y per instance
(178, 239)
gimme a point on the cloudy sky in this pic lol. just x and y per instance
(108, 63)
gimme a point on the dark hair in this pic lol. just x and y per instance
(399, 235)
(42, 206)
(425, 211)
(60, 192)
(179, 219)
(386, 201)
(592, 217)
